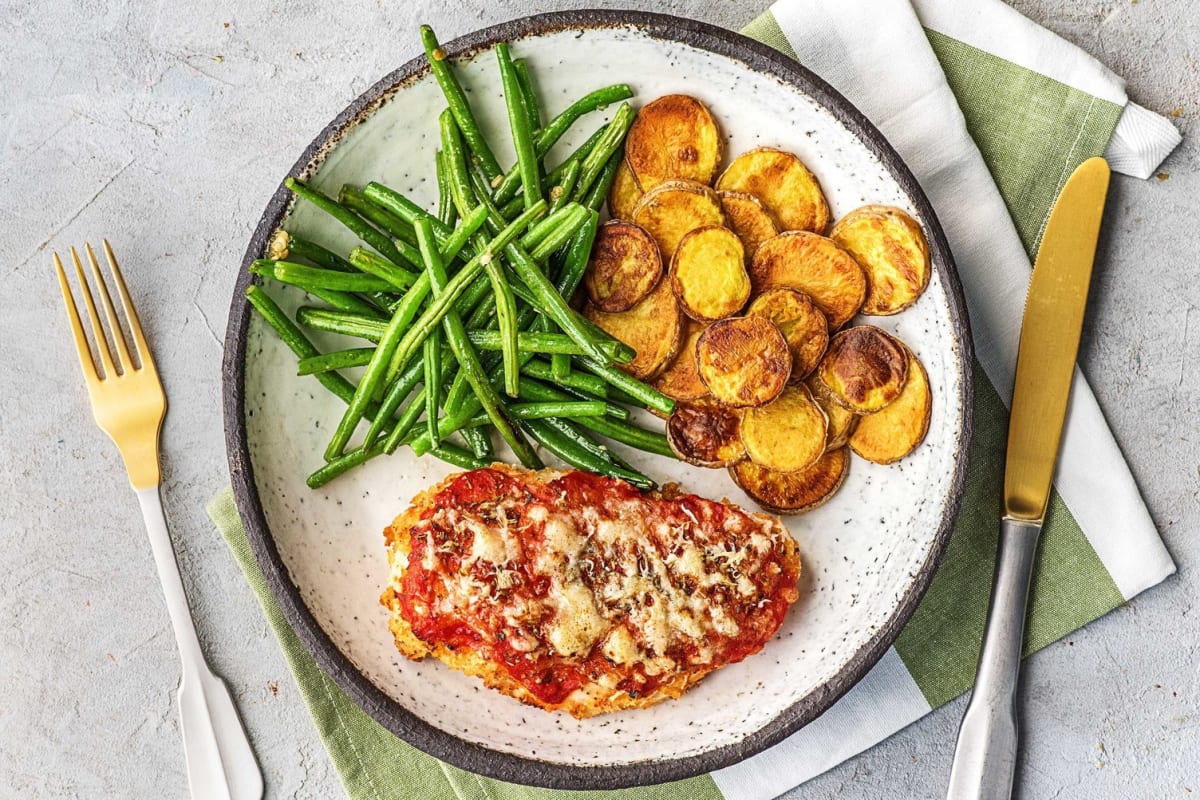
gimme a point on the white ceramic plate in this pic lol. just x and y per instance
(868, 554)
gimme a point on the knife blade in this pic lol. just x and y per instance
(1049, 340)
(986, 752)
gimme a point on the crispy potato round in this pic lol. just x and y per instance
(891, 248)
(787, 434)
(744, 361)
(672, 209)
(624, 193)
(673, 137)
(681, 379)
(816, 266)
(865, 368)
(653, 328)
(706, 433)
(802, 324)
(793, 492)
(785, 186)
(708, 273)
(842, 421)
(748, 218)
(892, 433)
(624, 267)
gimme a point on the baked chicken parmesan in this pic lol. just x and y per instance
(578, 593)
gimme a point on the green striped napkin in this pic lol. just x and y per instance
(992, 113)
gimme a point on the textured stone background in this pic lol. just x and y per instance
(166, 127)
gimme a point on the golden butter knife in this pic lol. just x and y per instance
(985, 756)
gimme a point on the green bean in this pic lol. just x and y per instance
(337, 466)
(459, 184)
(400, 230)
(514, 204)
(338, 359)
(596, 195)
(590, 384)
(530, 342)
(375, 377)
(611, 409)
(405, 209)
(559, 408)
(322, 257)
(468, 361)
(478, 440)
(315, 253)
(345, 323)
(552, 132)
(298, 343)
(458, 457)
(446, 213)
(319, 278)
(581, 330)
(533, 113)
(372, 264)
(560, 194)
(458, 238)
(647, 395)
(432, 363)
(397, 391)
(569, 451)
(438, 308)
(343, 301)
(595, 161)
(518, 123)
(354, 222)
(581, 439)
(408, 418)
(456, 99)
(560, 367)
(579, 252)
(624, 432)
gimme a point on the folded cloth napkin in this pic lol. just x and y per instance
(992, 113)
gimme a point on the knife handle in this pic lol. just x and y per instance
(986, 753)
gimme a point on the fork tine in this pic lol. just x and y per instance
(135, 325)
(110, 312)
(110, 371)
(81, 344)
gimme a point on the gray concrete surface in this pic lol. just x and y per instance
(166, 127)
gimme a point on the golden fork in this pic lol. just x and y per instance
(129, 405)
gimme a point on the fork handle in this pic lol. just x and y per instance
(220, 763)
(986, 754)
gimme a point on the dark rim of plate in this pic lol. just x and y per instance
(443, 744)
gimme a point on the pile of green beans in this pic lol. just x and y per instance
(465, 309)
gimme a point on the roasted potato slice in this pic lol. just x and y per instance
(793, 492)
(785, 186)
(802, 324)
(708, 273)
(681, 379)
(890, 247)
(892, 433)
(624, 193)
(744, 361)
(624, 267)
(706, 433)
(788, 433)
(672, 209)
(816, 266)
(748, 218)
(653, 328)
(673, 137)
(865, 368)
(842, 421)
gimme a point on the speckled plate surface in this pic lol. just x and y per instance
(868, 554)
